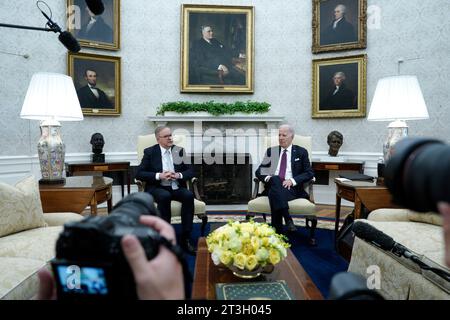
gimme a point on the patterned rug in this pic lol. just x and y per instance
(224, 216)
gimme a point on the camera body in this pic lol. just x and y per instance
(418, 173)
(90, 263)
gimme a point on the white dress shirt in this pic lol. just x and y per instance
(288, 174)
(166, 166)
(94, 91)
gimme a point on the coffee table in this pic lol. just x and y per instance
(207, 274)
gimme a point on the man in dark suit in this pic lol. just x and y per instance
(165, 171)
(340, 30)
(90, 96)
(211, 62)
(284, 170)
(96, 29)
(339, 97)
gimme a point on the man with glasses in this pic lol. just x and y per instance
(165, 171)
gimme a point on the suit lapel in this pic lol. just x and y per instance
(157, 162)
(293, 157)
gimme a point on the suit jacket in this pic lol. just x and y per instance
(344, 32)
(151, 164)
(89, 100)
(343, 99)
(205, 58)
(300, 165)
(100, 31)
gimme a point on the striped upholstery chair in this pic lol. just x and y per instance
(199, 206)
(260, 204)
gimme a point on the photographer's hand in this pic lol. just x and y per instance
(161, 277)
(444, 209)
(47, 288)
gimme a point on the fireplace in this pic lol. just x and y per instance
(224, 179)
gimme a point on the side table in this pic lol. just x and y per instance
(347, 190)
(76, 194)
(72, 168)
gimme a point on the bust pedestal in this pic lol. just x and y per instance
(98, 157)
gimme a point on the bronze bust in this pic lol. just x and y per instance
(335, 140)
(97, 143)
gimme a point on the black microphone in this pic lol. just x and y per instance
(96, 6)
(66, 38)
(366, 232)
(372, 235)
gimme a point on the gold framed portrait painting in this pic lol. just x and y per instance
(339, 87)
(217, 48)
(339, 25)
(95, 31)
(97, 82)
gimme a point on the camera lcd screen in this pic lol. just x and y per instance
(82, 280)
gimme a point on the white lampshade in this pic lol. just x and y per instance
(51, 96)
(398, 98)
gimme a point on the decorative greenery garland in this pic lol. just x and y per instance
(215, 108)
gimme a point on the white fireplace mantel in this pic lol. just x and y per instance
(271, 121)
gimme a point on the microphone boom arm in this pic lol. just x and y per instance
(26, 27)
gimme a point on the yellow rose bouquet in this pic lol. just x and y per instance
(246, 246)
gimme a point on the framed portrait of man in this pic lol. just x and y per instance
(97, 82)
(339, 25)
(217, 48)
(95, 31)
(339, 87)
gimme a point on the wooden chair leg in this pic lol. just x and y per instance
(312, 230)
(204, 222)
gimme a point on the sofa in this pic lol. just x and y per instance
(401, 279)
(27, 238)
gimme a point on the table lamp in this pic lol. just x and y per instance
(51, 97)
(397, 99)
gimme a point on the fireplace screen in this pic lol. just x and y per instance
(224, 180)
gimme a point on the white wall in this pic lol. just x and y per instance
(150, 41)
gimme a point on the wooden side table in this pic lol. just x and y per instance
(347, 191)
(77, 168)
(341, 166)
(76, 194)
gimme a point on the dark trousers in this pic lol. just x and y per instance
(164, 195)
(278, 199)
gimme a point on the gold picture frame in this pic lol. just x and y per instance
(97, 81)
(102, 31)
(224, 62)
(339, 25)
(339, 87)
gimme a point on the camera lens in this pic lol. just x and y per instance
(418, 173)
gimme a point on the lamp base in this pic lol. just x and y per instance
(51, 152)
(53, 181)
(397, 130)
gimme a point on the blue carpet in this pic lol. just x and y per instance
(321, 262)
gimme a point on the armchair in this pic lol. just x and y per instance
(199, 206)
(260, 204)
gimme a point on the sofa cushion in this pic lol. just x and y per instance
(18, 280)
(428, 217)
(36, 244)
(389, 214)
(20, 207)
(60, 218)
(397, 281)
(422, 238)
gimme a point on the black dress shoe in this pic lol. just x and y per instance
(188, 247)
(291, 226)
